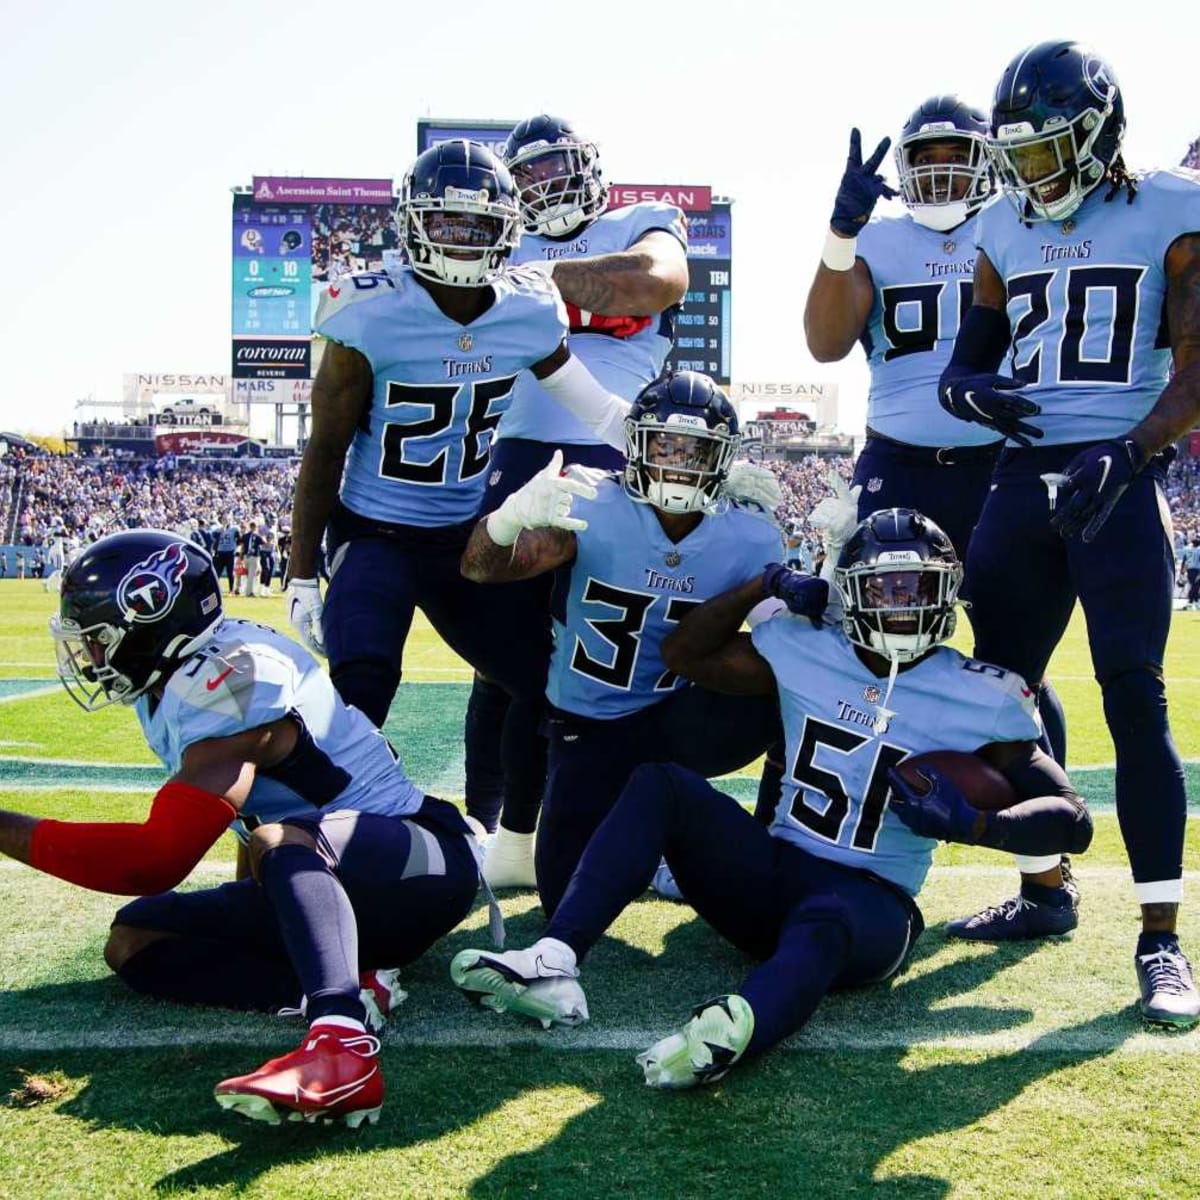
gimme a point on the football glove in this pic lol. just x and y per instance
(990, 400)
(304, 612)
(749, 483)
(543, 503)
(836, 516)
(805, 595)
(1096, 478)
(942, 813)
(860, 188)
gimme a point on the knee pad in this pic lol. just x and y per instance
(1135, 699)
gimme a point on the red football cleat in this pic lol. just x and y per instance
(334, 1075)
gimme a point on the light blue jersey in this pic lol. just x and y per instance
(441, 388)
(624, 357)
(835, 789)
(248, 675)
(1086, 303)
(629, 586)
(922, 284)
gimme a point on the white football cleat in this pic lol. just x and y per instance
(539, 983)
(508, 862)
(704, 1049)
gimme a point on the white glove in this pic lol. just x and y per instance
(751, 484)
(304, 612)
(544, 502)
(837, 516)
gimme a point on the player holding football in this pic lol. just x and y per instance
(825, 897)
(1089, 289)
(419, 368)
(632, 556)
(352, 867)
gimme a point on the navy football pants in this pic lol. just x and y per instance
(514, 462)
(812, 924)
(410, 880)
(1024, 580)
(590, 763)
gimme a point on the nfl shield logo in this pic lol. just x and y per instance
(949, 247)
(674, 558)
(874, 485)
(465, 342)
(871, 694)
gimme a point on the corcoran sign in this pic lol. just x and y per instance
(260, 358)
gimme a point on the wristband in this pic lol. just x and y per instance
(838, 253)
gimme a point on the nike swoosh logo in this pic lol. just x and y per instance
(213, 684)
(969, 398)
(1106, 459)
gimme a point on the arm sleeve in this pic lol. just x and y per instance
(130, 859)
(576, 389)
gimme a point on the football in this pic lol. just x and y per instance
(984, 786)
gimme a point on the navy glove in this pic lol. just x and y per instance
(805, 595)
(860, 188)
(942, 813)
(991, 400)
(1096, 478)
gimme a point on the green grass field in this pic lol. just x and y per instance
(982, 1071)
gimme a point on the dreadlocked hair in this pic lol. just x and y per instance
(1118, 177)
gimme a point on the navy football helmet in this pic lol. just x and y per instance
(681, 437)
(132, 607)
(458, 216)
(942, 162)
(898, 577)
(557, 173)
(1057, 123)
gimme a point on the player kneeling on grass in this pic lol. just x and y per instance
(353, 867)
(825, 897)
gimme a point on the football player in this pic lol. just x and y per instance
(826, 897)
(351, 867)
(622, 273)
(899, 286)
(419, 367)
(632, 554)
(1088, 289)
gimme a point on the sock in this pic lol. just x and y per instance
(1152, 943)
(1037, 893)
(482, 733)
(318, 928)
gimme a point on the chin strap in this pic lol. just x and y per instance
(883, 714)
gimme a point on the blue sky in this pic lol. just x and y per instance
(126, 123)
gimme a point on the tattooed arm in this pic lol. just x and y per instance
(1178, 408)
(647, 278)
(534, 552)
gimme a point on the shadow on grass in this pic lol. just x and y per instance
(807, 1122)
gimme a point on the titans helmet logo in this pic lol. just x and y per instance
(149, 590)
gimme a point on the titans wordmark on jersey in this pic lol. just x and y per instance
(1086, 303)
(624, 353)
(922, 282)
(629, 586)
(835, 787)
(441, 387)
(248, 675)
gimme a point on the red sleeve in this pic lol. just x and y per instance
(129, 859)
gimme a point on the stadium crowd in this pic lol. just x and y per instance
(86, 498)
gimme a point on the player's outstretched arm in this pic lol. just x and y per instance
(709, 648)
(341, 394)
(570, 383)
(532, 532)
(647, 278)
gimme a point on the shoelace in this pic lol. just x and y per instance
(1167, 971)
(1006, 911)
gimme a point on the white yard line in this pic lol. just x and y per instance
(488, 1032)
